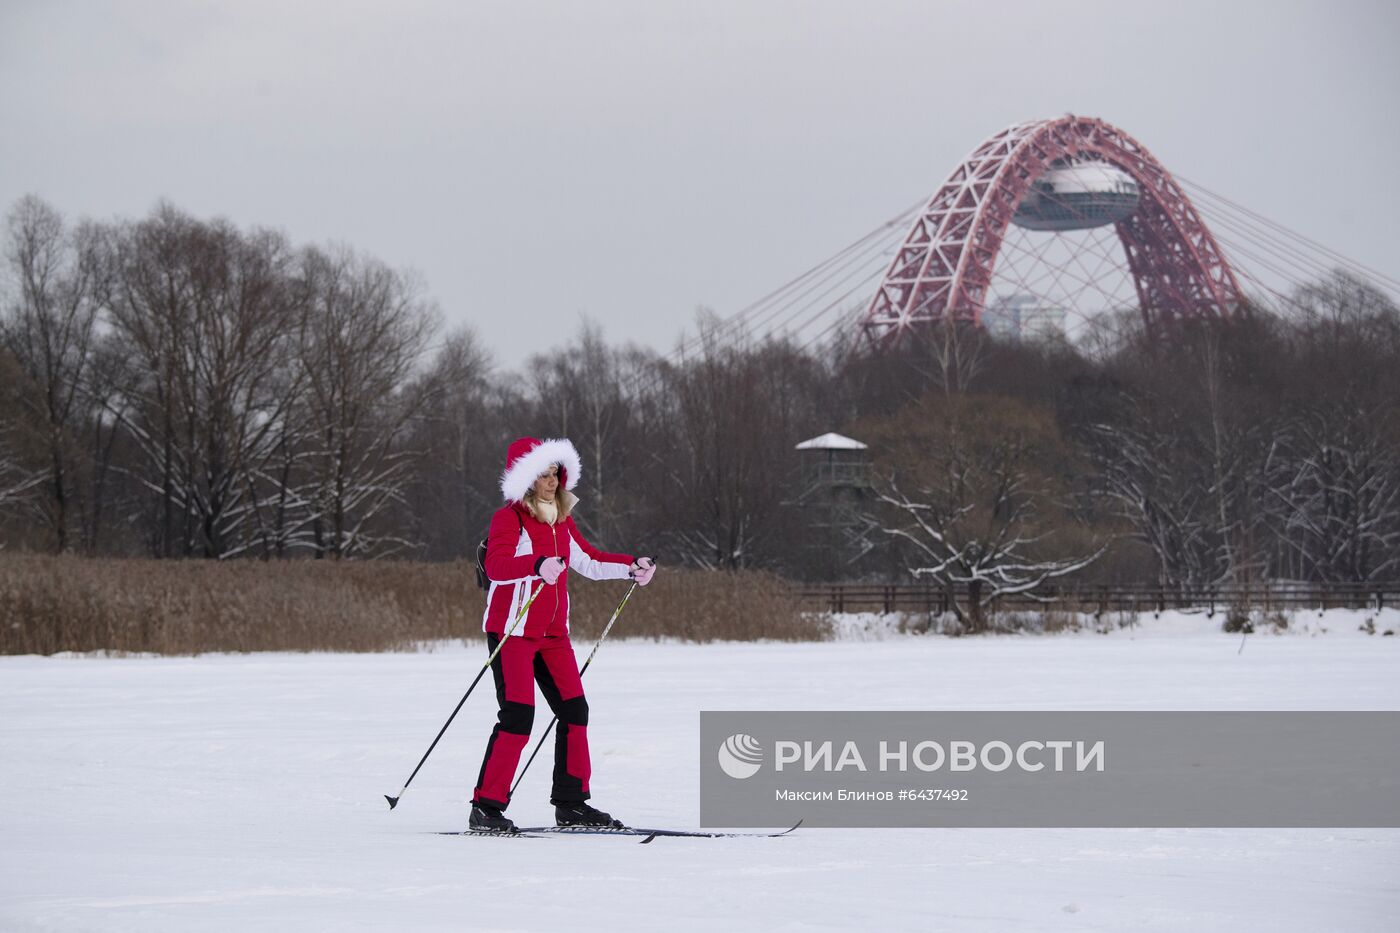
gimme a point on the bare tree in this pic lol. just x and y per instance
(720, 427)
(49, 330)
(578, 391)
(461, 433)
(1162, 495)
(108, 375)
(239, 385)
(150, 300)
(956, 353)
(20, 476)
(364, 333)
(210, 314)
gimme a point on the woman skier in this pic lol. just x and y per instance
(533, 539)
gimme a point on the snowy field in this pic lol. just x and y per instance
(245, 793)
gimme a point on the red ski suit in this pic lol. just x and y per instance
(539, 650)
(515, 544)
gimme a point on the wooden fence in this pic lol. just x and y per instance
(932, 597)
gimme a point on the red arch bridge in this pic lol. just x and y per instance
(1057, 221)
(943, 269)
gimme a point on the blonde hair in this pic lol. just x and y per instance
(564, 501)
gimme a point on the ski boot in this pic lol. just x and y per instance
(488, 819)
(578, 813)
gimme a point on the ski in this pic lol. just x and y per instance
(543, 832)
(650, 834)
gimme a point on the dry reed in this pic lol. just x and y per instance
(50, 604)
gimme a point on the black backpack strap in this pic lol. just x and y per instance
(482, 580)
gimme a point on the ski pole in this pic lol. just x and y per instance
(607, 628)
(394, 801)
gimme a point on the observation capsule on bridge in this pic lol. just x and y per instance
(1077, 196)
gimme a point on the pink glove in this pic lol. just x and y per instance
(551, 569)
(642, 570)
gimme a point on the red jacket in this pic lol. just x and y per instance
(514, 545)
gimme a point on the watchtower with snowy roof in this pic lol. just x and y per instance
(834, 460)
(834, 489)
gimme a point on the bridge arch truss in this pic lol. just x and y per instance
(943, 269)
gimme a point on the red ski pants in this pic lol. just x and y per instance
(522, 663)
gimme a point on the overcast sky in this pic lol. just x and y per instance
(630, 161)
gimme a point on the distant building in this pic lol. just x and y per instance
(1015, 318)
(833, 495)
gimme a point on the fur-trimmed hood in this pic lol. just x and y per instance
(528, 457)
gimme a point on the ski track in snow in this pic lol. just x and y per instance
(245, 793)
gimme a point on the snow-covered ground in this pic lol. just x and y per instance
(1332, 623)
(245, 793)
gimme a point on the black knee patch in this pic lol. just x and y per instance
(518, 717)
(574, 712)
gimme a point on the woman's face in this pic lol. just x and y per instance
(547, 484)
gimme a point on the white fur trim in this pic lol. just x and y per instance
(517, 479)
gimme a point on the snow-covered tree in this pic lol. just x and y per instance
(1332, 477)
(975, 487)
